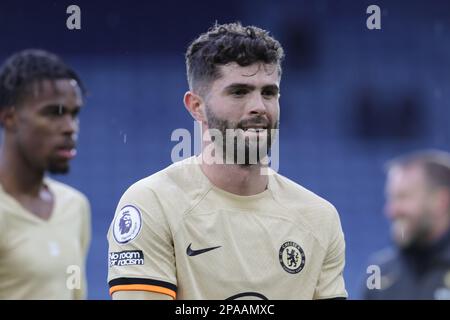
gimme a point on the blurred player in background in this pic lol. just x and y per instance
(206, 229)
(44, 224)
(418, 205)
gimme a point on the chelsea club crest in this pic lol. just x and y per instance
(291, 257)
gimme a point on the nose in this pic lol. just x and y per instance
(70, 125)
(257, 105)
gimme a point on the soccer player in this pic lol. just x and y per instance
(44, 224)
(207, 229)
(418, 205)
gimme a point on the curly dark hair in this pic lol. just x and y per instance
(26, 68)
(227, 43)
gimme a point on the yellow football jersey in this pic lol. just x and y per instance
(175, 233)
(44, 259)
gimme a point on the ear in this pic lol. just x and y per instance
(195, 105)
(443, 199)
(8, 116)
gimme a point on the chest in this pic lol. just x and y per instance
(246, 252)
(41, 206)
(39, 249)
(406, 282)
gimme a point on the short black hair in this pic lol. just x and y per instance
(26, 68)
(227, 43)
(436, 165)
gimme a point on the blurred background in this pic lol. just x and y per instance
(351, 98)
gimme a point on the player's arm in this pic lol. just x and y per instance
(140, 295)
(141, 252)
(331, 283)
(81, 293)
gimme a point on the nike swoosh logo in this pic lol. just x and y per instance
(192, 253)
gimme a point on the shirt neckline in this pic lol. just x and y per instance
(230, 195)
(27, 213)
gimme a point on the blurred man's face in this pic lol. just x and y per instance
(408, 205)
(47, 125)
(245, 98)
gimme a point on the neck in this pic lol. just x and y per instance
(428, 240)
(17, 176)
(233, 178)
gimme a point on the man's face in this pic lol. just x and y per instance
(47, 125)
(408, 205)
(245, 98)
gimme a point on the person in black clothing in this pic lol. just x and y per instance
(418, 205)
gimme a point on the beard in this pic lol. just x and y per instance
(54, 168)
(50, 164)
(410, 237)
(234, 145)
(57, 166)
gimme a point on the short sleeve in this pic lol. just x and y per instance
(141, 252)
(2, 230)
(331, 280)
(86, 231)
(85, 238)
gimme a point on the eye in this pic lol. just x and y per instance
(56, 111)
(76, 113)
(268, 93)
(239, 92)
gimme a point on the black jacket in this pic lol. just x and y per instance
(414, 273)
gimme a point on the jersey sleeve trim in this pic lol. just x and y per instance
(140, 284)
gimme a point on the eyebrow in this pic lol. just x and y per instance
(62, 106)
(250, 87)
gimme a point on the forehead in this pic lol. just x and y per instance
(408, 177)
(254, 74)
(64, 91)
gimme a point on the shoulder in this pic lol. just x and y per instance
(154, 203)
(67, 193)
(385, 258)
(177, 182)
(296, 197)
(385, 268)
(307, 209)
